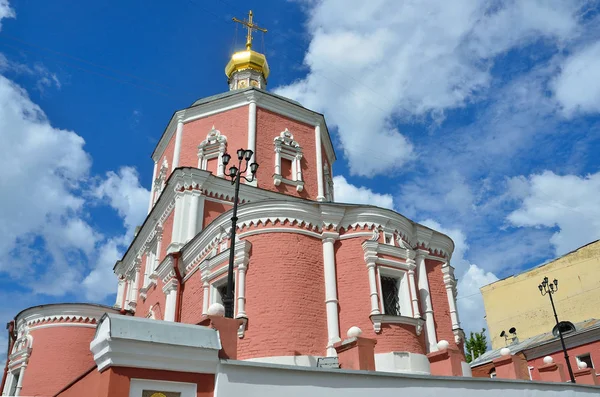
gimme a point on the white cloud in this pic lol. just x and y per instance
(44, 226)
(388, 60)
(569, 203)
(577, 87)
(470, 300)
(125, 194)
(345, 192)
(5, 11)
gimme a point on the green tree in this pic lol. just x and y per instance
(476, 345)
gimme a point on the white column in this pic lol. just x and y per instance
(152, 187)
(157, 256)
(8, 385)
(331, 301)
(20, 381)
(176, 235)
(127, 294)
(134, 286)
(193, 215)
(373, 287)
(177, 151)
(252, 134)
(450, 284)
(298, 168)
(320, 190)
(425, 296)
(413, 294)
(241, 290)
(170, 290)
(120, 294)
(278, 160)
(206, 287)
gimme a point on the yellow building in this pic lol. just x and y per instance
(516, 301)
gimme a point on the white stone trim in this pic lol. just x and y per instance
(331, 300)
(79, 312)
(251, 136)
(288, 149)
(214, 146)
(137, 387)
(279, 230)
(177, 149)
(450, 284)
(124, 341)
(152, 187)
(319, 154)
(402, 362)
(51, 325)
(425, 298)
(379, 319)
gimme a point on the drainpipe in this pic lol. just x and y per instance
(180, 286)
(10, 326)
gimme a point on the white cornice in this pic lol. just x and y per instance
(67, 312)
(243, 98)
(264, 209)
(163, 345)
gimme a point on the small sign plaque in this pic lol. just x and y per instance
(328, 362)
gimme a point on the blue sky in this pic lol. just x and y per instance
(477, 118)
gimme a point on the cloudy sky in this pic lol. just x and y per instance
(477, 118)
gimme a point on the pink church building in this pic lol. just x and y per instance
(307, 268)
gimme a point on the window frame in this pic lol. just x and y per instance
(588, 355)
(404, 300)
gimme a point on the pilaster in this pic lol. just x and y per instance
(331, 300)
(425, 296)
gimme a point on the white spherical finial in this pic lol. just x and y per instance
(548, 360)
(582, 365)
(505, 351)
(354, 332)
(443, 345)
(216, 309)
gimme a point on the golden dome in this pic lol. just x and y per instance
(247, 59)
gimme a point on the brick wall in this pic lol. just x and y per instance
(285, 297)
(439, 301)
(59, 355)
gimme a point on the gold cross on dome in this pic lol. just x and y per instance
(251, 26)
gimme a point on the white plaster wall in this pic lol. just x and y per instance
(402, 362)
(264, 380)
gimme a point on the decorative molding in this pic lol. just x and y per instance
(214, 146)
(379, 319)
(287, 148)
(62, 313)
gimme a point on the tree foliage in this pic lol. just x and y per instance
(476, 345)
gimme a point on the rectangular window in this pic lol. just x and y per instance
(391, 295)
(221, 291)
(286, 169)
(585, 358)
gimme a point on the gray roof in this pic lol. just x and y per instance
(211, 98)
(535, 341)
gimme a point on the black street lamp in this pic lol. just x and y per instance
(236, 174)
(547, 288)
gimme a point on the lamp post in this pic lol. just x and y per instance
(236, 174)
(547, 288)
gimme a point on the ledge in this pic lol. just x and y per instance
(144, 343)
(277, 179)
(379, 319)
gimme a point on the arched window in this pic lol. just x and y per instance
(211, 151)
(565, 328)
(288, 156)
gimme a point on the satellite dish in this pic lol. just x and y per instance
(513, 330)
(502, 334)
